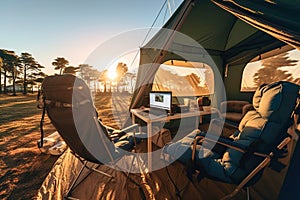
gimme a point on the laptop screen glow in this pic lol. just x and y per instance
(161, 100)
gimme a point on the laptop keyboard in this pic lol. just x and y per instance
(158, 112)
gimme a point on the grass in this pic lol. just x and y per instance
(22, 166)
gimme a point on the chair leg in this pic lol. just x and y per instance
(73, 186)
(103, 173)
(248, 193)
(75, 180)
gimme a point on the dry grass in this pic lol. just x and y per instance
(113, 110)
(22, 166)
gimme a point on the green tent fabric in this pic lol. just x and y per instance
(222, 36)
(279, 18)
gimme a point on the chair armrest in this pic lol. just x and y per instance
(120, 133)
(284, 143)
(223, 106)
(109, 129)
(247, 108)
(130, 128)
(231, 144)
(235, 106)
(220, 140)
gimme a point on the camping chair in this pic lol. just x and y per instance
(260, 140)
(69, 105)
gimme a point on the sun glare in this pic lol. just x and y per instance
(111, 74)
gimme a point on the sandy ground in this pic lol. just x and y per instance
(22, 166)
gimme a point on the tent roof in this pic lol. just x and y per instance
(278, 18)
(220, 32)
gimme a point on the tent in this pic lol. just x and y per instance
(224, 34)
(230, 38)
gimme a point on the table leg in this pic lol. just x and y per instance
(198, 121)
(149, 144)
(201, 119)
(133, 118)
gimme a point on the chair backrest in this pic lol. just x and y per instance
(264, 127)
(70, 107)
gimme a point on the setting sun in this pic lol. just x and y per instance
(111, 74)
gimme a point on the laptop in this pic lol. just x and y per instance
(160, 103)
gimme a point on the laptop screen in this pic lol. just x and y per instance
(161, 100)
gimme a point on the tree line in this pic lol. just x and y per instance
(25, 70)
(94, 77)
(19, 69)
(273, 69)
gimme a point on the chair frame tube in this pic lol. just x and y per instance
(261, 166)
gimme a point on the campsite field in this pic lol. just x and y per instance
(22, 166)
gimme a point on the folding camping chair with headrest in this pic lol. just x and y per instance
(261, 137)
(68, 103)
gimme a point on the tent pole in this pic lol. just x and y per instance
(161, 54)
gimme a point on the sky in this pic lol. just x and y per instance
(72, 29)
